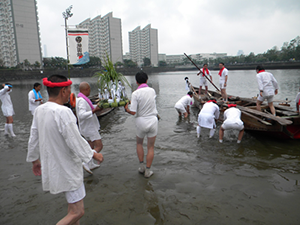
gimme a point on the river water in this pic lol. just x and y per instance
(195, 181)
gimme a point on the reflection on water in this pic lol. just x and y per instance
(195, 181)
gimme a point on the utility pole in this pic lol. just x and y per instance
(67, 14)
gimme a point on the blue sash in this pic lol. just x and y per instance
(36, 94)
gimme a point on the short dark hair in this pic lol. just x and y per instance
(55, 78)
(260, 67)
(205, 64)
(221, 63)
(141, 77)
(190, 93)
(36, 85)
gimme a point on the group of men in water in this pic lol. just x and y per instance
(209, 114)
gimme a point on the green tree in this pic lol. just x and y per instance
(147, 62)
(128, 63)
(162, 64)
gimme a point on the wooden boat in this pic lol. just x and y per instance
(95, 99)
(286, 123)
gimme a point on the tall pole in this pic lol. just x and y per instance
(67, 14)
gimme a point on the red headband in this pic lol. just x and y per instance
(50, 84)
(214, 101)
(231, 105)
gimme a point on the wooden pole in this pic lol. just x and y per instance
(203, 74)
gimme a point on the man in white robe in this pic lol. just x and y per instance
(183, 105)
(223, 73)
(207, 117)
(232, 121)
(268, 86)
(7, 108)
(203, 80)
(56, 148)
(34, 97)
(88, 122)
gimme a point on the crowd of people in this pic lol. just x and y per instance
(63, 143)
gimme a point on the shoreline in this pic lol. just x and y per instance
(10, 75)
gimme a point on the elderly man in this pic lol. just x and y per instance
(56, 148)
(207, 117)
(88, 122)
(268, 86)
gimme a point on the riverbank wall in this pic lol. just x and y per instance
(10, 75)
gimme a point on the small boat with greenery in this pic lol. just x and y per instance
(286, 123)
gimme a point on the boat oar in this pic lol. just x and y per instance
(203, 74)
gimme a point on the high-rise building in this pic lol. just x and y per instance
(144, 44)
(105, 37)
(19, 32)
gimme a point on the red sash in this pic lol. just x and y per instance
(261, 71)
(205, 70)
(221, 70)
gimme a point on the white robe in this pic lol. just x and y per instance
(7, 106)
(266, 83)
(232, 118)
(56, 141)
(208, 114)
(31, 102)
(88, 121)
(183, 102)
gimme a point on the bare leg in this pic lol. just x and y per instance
(139, 148)
(75, 212)
(241, 133)
(221, 134)
(206, 89)
(150, 153)
(258, 104)
(9, 119)
(185, 114)
(199, 92)
(272, 109)
(224, 94)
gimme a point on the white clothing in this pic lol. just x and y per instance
(31, 102)
(222, 78)
(203, 79)
(89, 125)
(181, 105)
(208, 114)
(75, 196)
(56, 141)
(266, 83)
(143, 102)
(262, 98)
(146, 126)
(232, 119)
(7, 106)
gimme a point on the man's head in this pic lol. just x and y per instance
(190, 94)
(85, 88)
(205, 65)
(259, 68)
(221, 65)
(141, 77)
(37, 86)
(58, 86)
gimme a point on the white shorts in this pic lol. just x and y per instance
(180, 108)
(75, 196)
(146, 126)
(269, 98)
(203, 81)
(222, 83)
(94, 137)
(228, 125)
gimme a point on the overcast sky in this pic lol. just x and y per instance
(184, 26)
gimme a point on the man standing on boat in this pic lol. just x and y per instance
(203, 80)
(232, 121)
(268, 86)
(34, 97)
(183, 105)
(207, 117)
(223, 73)
(88, 123)
(143, 105)
(56, 148)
